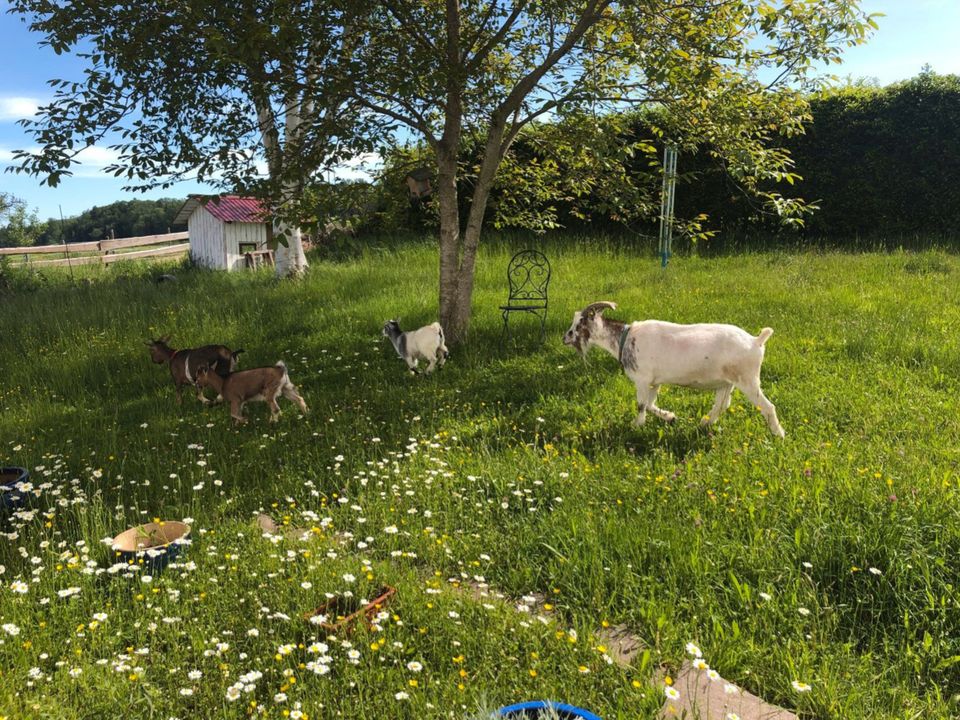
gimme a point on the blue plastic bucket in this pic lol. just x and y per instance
(11, 495)
(531, 708)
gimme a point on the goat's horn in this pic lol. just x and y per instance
(599, 307)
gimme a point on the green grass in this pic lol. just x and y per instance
(521, 470)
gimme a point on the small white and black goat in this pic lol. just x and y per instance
(423, 344)
(707, 356)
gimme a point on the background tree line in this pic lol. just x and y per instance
(126, 218)
(879, 163)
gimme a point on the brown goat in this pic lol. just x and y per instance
(185, 363)
(263, 383)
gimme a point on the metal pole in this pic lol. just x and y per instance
(667, 198)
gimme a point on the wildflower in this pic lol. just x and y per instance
(730, 689)
(700, 664)
(803, 611)
(100, 616)
(233, 693)
(391, 530)
(765, 596)
(306, 584)
(75, 672)
(732, 716)
(414, 666)
(694, 650)
(671, 693)
(713, 675)
(186, 692)
(348, 578)
(280, 697)
(18, 586)
(876, 571)
(401, 695)
(67, 592)
(10, 629)
(194, 675)
(801, 687)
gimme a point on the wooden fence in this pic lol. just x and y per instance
(103, 252)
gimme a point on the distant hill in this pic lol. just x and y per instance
(126, 218)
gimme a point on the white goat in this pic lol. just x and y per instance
(654, 353)
(423, 344)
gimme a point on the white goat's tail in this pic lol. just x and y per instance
(764, 335)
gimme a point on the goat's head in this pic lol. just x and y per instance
(202, 376)
(160, 352)
(586, 324)
(391, 328)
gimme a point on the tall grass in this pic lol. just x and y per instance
(827, 558)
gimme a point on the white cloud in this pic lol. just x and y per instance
(16, 108)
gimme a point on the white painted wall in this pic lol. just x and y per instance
(236, 233)
(207, 240)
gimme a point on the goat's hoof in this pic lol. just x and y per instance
(669, 418)
(639, 422)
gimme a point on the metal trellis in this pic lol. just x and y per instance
(666, 202)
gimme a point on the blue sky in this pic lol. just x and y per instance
(913, 32)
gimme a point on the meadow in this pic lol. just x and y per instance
(508, 497)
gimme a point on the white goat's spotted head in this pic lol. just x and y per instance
(586, 324)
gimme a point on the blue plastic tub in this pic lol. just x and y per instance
(530, 709)
(11, 497)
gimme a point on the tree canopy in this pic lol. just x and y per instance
(235, 93)
(261, 94)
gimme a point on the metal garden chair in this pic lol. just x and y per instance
(529, 275)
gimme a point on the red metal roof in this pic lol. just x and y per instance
(228, 208)
(233, 208)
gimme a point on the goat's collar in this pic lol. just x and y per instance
(623, 340)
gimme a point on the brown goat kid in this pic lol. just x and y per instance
(239, 388)
(185, 363)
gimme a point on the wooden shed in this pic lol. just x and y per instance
(224, 229)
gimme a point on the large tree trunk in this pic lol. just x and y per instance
(291, 260)
(449, 242)
(456, 297)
